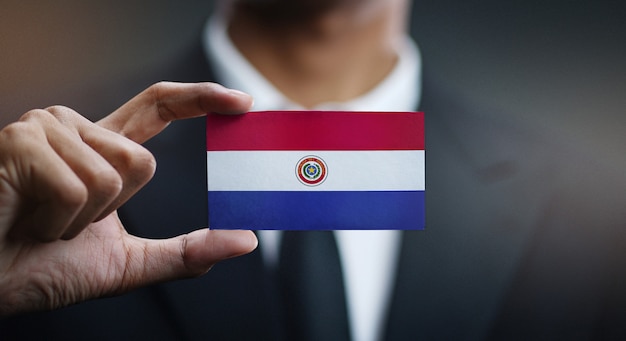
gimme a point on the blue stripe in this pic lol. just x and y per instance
(316, 210)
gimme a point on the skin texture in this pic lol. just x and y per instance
(319, 51)
(62, 178)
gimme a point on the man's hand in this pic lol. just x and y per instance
(62, 179)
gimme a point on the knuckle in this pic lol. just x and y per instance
(137, 162)
(73, 196)
(156, 92)
(51, 115)
(159, 85)
(15, 130)
(36, 115)
(144, 165)
(62, 113)
(58, 110)
(106, 183)
(20, 137)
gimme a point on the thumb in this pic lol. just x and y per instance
(188, 255)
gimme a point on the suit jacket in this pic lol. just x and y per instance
(513, 248)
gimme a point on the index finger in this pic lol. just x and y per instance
(152, 110)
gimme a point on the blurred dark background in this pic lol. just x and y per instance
(559, 64)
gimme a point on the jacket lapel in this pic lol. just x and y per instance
(452, 276)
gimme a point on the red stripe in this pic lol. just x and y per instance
(316, 130)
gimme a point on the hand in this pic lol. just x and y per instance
(62, 179)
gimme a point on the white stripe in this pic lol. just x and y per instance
(347, 170)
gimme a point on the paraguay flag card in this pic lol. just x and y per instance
(316, 170)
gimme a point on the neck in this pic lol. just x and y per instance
(335, 56)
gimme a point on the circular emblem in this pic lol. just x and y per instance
(311, 170)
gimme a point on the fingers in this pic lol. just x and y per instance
(64, 182)
(66, 172)
(123, 166)
(45, 194)
(151, 111)
(133, 164)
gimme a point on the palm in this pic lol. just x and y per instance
(93, 264)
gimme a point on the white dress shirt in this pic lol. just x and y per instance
(368, 258)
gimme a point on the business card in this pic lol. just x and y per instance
(316, 170)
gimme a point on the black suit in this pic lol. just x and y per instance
(511, 250)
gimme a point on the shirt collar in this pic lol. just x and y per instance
(399, 91)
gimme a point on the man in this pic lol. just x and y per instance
(511, 250)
